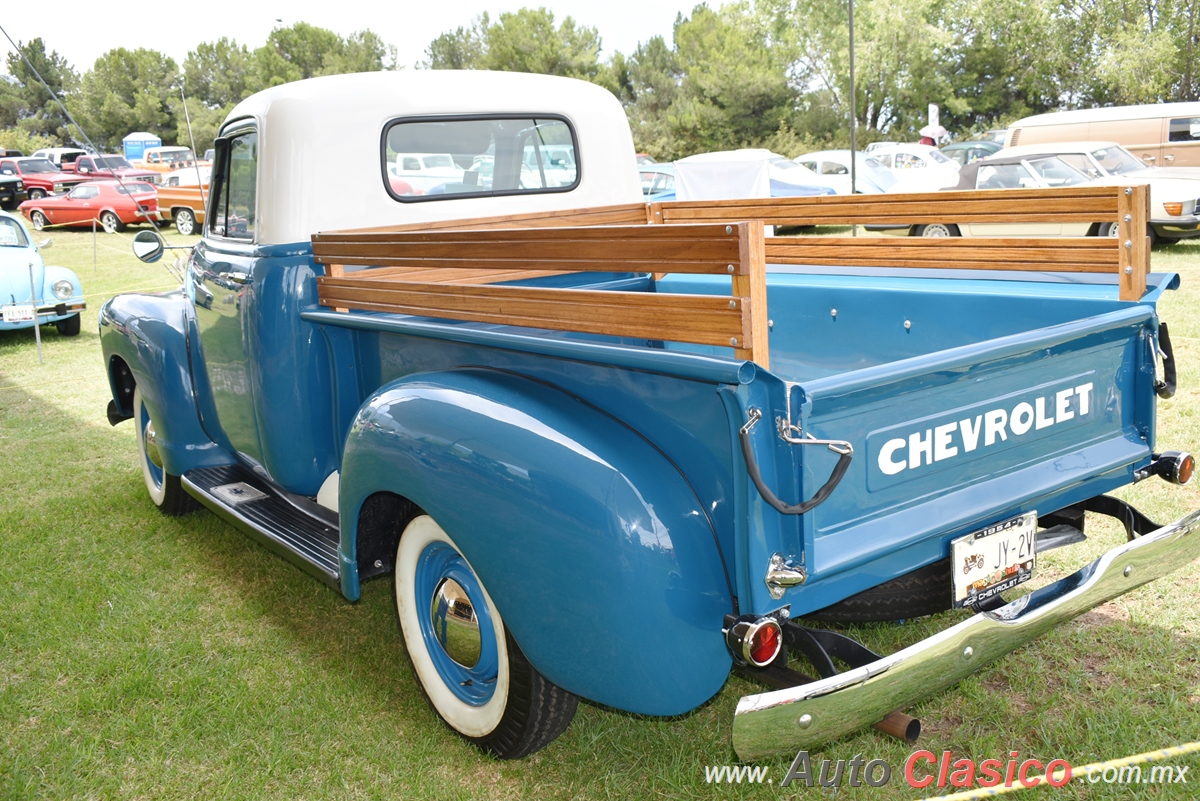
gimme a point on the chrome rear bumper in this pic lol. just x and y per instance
(811, 714)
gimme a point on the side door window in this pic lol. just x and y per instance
(233, 209)
(1182, 148)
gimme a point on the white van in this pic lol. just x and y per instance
(1160, 134)
(59, 156)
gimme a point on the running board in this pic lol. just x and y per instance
(264, 512)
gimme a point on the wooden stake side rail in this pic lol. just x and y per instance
(447, 274)
(1067, 204)
(1129, 206)
(451, 268)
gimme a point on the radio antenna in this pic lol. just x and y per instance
(195, 159)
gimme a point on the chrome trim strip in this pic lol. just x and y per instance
(811, 714)
(71, 306)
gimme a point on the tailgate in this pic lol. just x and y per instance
(961, 438)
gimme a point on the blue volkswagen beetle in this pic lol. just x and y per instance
(59, 295)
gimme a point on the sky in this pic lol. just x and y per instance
(410, 26)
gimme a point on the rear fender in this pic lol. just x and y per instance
(148, 334)
(590, 541)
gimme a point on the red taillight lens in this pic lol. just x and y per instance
(763, 642)
(753, 641)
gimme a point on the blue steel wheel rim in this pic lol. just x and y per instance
(154, 471)
(475, 685)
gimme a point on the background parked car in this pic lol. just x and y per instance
(1166, 134)
(40, 175)
(167, 158)
(12, 191)
(745, 173)
(918, 168)
(966, 152)
(658, 180)
(59, 296)
(58, 156)
(1005, 171)
(870, 176)
(184, 205)
(109, 166)
(1173, 190)
(111, 203)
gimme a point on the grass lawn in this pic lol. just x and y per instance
(148, 657)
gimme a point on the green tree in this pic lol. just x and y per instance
(306, 51)
(126, 91)
(461, 49)
(527, 40)
(217, 73)
(363, 51)
(205, 123)
(735, 88)
(26, 103)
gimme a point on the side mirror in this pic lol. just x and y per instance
(45, 243)
(148, 246)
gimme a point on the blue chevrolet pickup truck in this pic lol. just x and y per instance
(612, 450)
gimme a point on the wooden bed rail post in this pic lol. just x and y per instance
(1133, 219)
(751, 287)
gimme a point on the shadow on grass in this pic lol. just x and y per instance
(172, 657)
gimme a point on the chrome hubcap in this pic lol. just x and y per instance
(151, 443)
(455, 624)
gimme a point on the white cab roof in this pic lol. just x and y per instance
(320, 146)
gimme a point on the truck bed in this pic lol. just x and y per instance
(851, 346)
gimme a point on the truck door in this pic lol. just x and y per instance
(222, 291)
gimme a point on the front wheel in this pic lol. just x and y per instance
(185, 222)
(39, 220)
(110, 222)
(936, 229)
(68, 327)
(37, 194)
(164, 488)
(1112, 229)
(468, 665)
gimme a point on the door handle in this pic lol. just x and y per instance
(236, 277)
(1148, 158)
(1168, 158)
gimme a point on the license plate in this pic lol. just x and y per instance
(18, 314)
(994, 559)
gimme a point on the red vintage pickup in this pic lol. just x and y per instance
(41, 177)
(110, 166)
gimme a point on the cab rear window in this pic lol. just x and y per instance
(442, 158)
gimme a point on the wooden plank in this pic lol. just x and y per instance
(1071, 204)
(1092, 255)
(704, 249)
(701, 319)
(437, 275)
(336, 271)
(1133, 217)
(751, 286)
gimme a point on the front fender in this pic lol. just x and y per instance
(590, 541)
(148, 332)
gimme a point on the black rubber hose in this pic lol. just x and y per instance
(1166, 387)
(824, 492)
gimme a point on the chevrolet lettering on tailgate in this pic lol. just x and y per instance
(984, 429)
